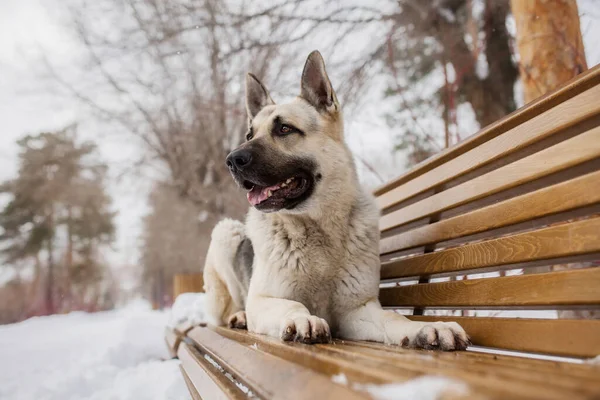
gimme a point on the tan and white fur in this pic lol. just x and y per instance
(315, 265)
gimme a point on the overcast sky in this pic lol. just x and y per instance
(26, 106)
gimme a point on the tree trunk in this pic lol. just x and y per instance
(550, 44)
(50, 272)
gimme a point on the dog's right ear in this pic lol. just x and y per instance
(257, 96)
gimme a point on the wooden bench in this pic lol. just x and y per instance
(524, 193)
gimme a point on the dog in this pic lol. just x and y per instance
(305, 265)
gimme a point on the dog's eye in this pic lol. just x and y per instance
(284, 130)
(249, 135)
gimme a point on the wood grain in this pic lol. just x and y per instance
(583, 82)
(187, 283)
(208, 381)
(266, 375)
(568, 239)
(393, 364)
(577, 372)
(488, 378)
(566, 154)
(571, 338)
(549, 290)
(579, 192)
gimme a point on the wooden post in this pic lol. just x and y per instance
(550, 45)
(187, 283)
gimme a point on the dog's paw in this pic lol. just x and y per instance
(446, 336)
(237, 320)
(308, 330)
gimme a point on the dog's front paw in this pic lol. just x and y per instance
(237, 320)
(447, 336)
(311, 329)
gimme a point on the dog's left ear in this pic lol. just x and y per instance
(316, 87)
(257, 96)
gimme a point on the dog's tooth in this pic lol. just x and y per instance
(269, 193)
(283, 184)
(289, 180)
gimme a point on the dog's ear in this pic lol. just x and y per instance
(257, 96)
(316, 87)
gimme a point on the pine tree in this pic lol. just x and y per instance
(59, 191)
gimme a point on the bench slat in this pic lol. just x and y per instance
(569, 113)
(563, 155)
(361, 367)
(485, 377)
(575, 86)
(578, 372)
(172, 340)
(208, 381)
(549, 290)
(568, 239)
(571, 338)
(579, 192)
(188, 382)
(266, 375)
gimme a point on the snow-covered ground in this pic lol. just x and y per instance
(118, 355)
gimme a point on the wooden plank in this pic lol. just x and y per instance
(565, 288)
(183, 328)
(543, 382)
(187, 283)
(320, 361)
(551, 369)
(172, 340)
(188, 382)
(568, 239)
(266, 375)
(579, 192)
(581, 107)
(563, 337)
(207, 380)
(568, 153)
(476, 372)
(580, 84)
(485, 376)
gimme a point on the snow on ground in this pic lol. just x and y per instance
(109, 355)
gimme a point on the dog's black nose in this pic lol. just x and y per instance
(239, 159)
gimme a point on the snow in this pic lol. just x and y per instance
(594, 361)
(117, 355)
(340, 379)
(428, 387)
(188, 307)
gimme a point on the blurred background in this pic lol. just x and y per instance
(117, 115)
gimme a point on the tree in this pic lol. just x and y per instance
(468, 48)
(175, 240)
(58, 192)
(550, 45)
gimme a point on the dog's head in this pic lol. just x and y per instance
(294, 152)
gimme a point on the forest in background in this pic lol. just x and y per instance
(169, 75)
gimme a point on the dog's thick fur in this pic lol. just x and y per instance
(313, 263)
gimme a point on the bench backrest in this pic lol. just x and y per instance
(522, 193)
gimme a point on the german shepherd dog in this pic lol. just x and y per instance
(305, 265)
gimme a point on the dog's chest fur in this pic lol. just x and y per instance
(327, 264)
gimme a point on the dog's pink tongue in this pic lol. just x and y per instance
(258, 195)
